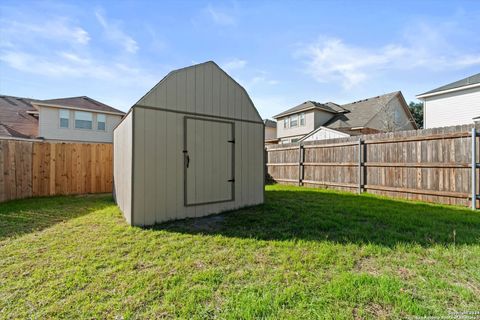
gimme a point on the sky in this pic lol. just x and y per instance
(282, 52)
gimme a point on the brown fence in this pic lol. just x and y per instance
(431, 165)
(34, 168)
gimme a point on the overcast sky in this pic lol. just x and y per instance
(282, 52)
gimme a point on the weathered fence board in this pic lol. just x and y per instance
(35, 168)
(431, 165)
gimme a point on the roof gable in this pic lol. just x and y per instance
(360, 112)
(471, 80)
(309, 105)
(203, 89)
(82, 102)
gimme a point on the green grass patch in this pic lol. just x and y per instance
(305, 253)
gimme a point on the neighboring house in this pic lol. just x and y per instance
(453, 104)
(270, 131)
(317, 121)
(68, 119)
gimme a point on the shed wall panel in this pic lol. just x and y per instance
(159, 165)
(122, 164)
(138, 216)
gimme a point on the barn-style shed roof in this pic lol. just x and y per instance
(201, 89)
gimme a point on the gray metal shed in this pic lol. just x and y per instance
(192, 146)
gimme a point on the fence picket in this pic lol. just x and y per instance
(35, 168)
(430, 165)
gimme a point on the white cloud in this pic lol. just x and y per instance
(116, 34)
(331, 59)
(251, 77)
(71, 65)
(220, 17)
(234, 64)
(56, 29)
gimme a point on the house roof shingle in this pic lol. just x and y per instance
(360, 112)
(15, 121)
(457, 84)
(82, 102)
(270, 123)
(308, 105)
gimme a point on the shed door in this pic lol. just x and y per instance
(208, 161)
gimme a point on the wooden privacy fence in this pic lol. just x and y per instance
(433, 165)
(36, 168)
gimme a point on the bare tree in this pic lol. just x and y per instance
(392, 121)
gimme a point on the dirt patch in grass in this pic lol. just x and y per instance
(367, 265)
(211, 223)
(372, 310)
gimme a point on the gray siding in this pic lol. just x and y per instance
(202, 91)
(122, 166)
(299, 130)
(270, 133)
(392, 118)
(49, 127)
(321, 117)
(313, 120)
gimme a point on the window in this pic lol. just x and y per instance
(302, 118)
(293, 121)
(101, 122)
(285, 123)
(295, 140)
(64, 118)
(83, 120)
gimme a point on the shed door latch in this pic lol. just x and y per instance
(231, 141)
(231, 180)
(186, 158)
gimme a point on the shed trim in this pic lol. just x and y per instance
(196, 114)
(132, 201)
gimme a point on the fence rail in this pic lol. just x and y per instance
(433, 165)
(33, 168)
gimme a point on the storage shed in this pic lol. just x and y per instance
(192, 146)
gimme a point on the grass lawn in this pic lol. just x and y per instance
(305, 253)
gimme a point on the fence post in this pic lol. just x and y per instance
(300, 164)
(474, 168)
(360, 166)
